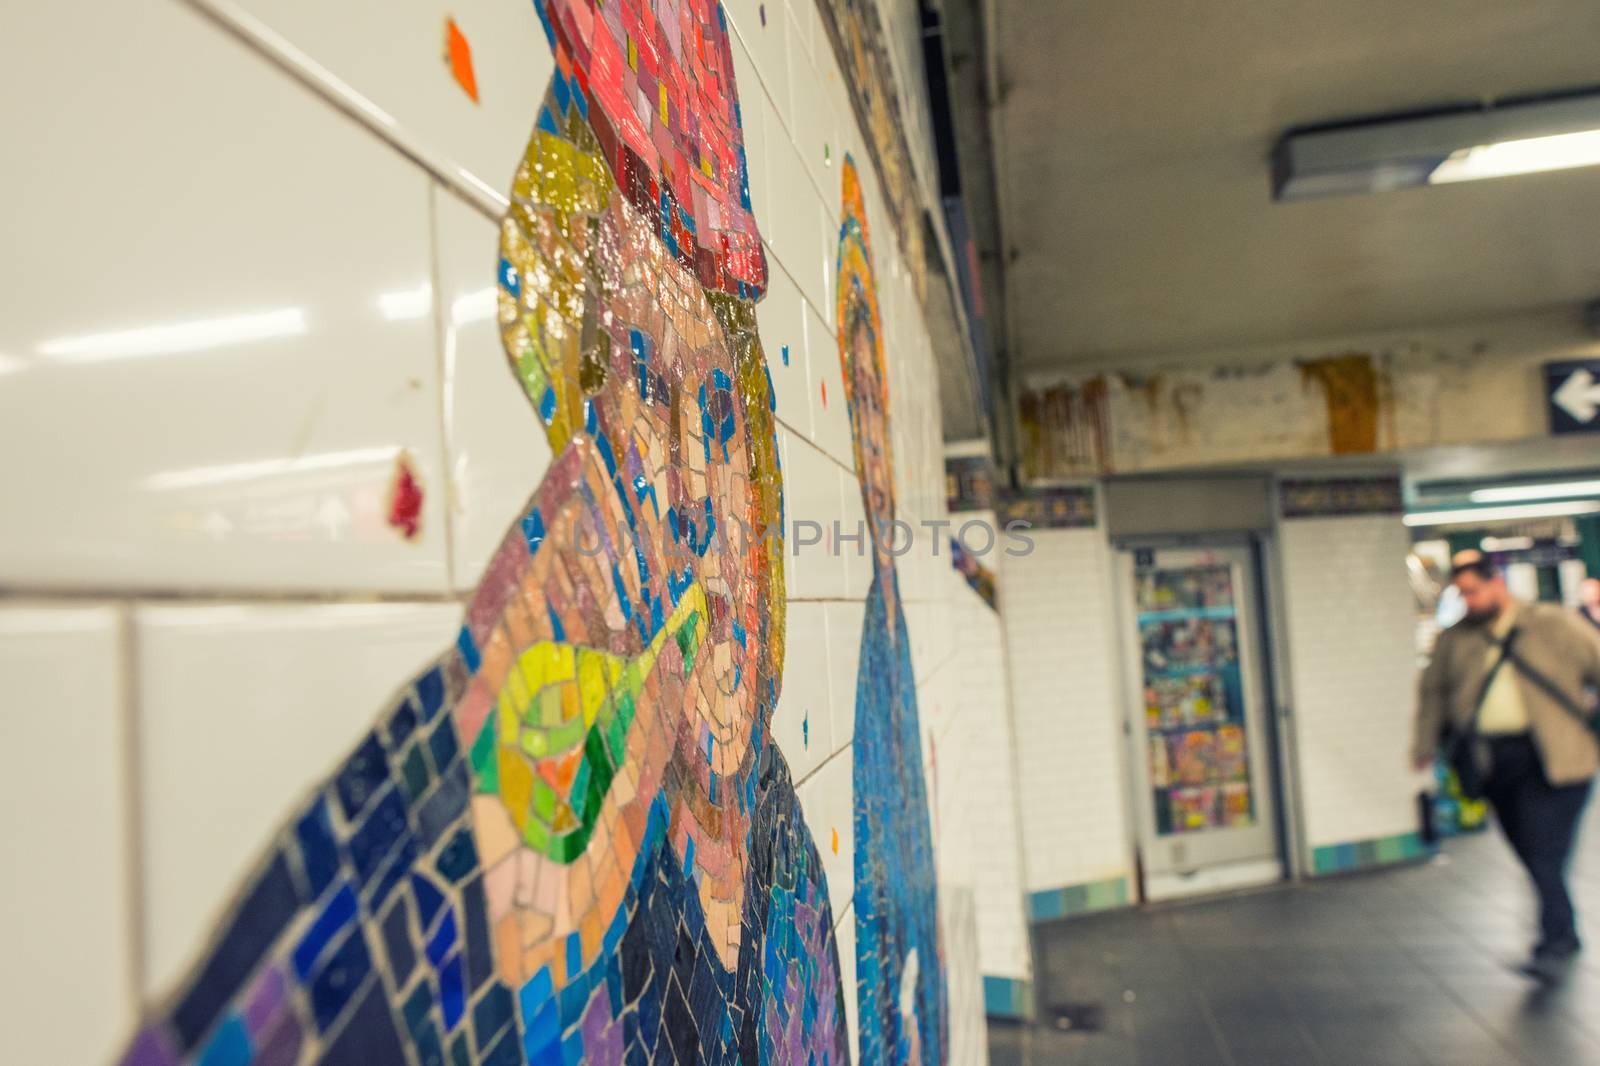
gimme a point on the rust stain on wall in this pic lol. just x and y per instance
(1066, 429)
(1350, 388)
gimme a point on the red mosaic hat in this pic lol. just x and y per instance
(658, 78)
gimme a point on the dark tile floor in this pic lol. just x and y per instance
(1405, 966)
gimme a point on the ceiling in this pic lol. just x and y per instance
(1132, 143)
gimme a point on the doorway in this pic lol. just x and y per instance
(1201, 755)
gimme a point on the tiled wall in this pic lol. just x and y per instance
(234, 306)
(1057, 607)
(1352, 677)
(982, 674)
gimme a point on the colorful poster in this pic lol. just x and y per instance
(1236, 809)
(1194, 809)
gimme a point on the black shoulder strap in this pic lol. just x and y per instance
(1549, 687)
(1488, 679)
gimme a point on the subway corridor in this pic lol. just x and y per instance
(1404, 967)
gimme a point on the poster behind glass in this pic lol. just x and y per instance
(1194, 699)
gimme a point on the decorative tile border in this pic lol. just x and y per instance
(1008, 997)
(1337, 497)
(1363, 854)
(969, 483)
(1063, 507)
(1078, 899)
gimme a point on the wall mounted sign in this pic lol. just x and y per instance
(1572, 395)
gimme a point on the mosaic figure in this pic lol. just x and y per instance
(899, 963)
(572, 839)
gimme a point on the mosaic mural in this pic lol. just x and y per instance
(899, 958)
(571, 838)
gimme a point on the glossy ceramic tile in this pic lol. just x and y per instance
(825, 798)
(847, 967)
(782, 316)
(812, 504)
(796, 235)
(494, 439)
(411, 82)
(753, 108)
(217, 372)
(811, 121)
(803, 721)
(844, 658)
(249, 706)
(761, 27)
(831, 413)
(67, 980)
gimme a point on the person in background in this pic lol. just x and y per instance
(1536, 744)
(1589, 601)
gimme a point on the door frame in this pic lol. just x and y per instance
(1261, 568)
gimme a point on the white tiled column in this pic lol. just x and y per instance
(1350, 627)
(1058, 613)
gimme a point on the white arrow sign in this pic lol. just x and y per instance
(1579, 396)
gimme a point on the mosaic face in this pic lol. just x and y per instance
(572, 839)
(899, 960)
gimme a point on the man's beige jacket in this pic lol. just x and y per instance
(1552, 641)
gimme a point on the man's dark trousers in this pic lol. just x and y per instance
(1540, 820)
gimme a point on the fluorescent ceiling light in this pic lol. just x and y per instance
(178, 337)
(1506, 544)
(1469, 515)
(1562, 151)
(1550, 491)
(1465, 144)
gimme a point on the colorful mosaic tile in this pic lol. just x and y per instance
(571, 839)
(899, 958)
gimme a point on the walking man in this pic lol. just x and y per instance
(1519, 679)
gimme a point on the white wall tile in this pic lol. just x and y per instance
(794, 232)
(1063, 658)
(395, 57)
(68, 945)
(494, 439)
(761, 26)
(812, 126)
(802, 724)
(812, 495)
(831, 412)
(826, 798)
(214, 368)
(242, 709)
(1352, 665)
(844, 659)
(782, 315)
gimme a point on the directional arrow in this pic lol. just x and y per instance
(1579, 396)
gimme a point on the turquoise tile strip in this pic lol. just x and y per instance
(1055, 903)
(1361, 854)
(1008, 997)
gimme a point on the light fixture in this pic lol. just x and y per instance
(1453, 145)
(1559, 490)
(1506, 544)
(1469, 515)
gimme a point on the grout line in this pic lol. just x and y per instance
(132, 806)
(444, 353)
(272, 46)
(815, 770)
(213, 596)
